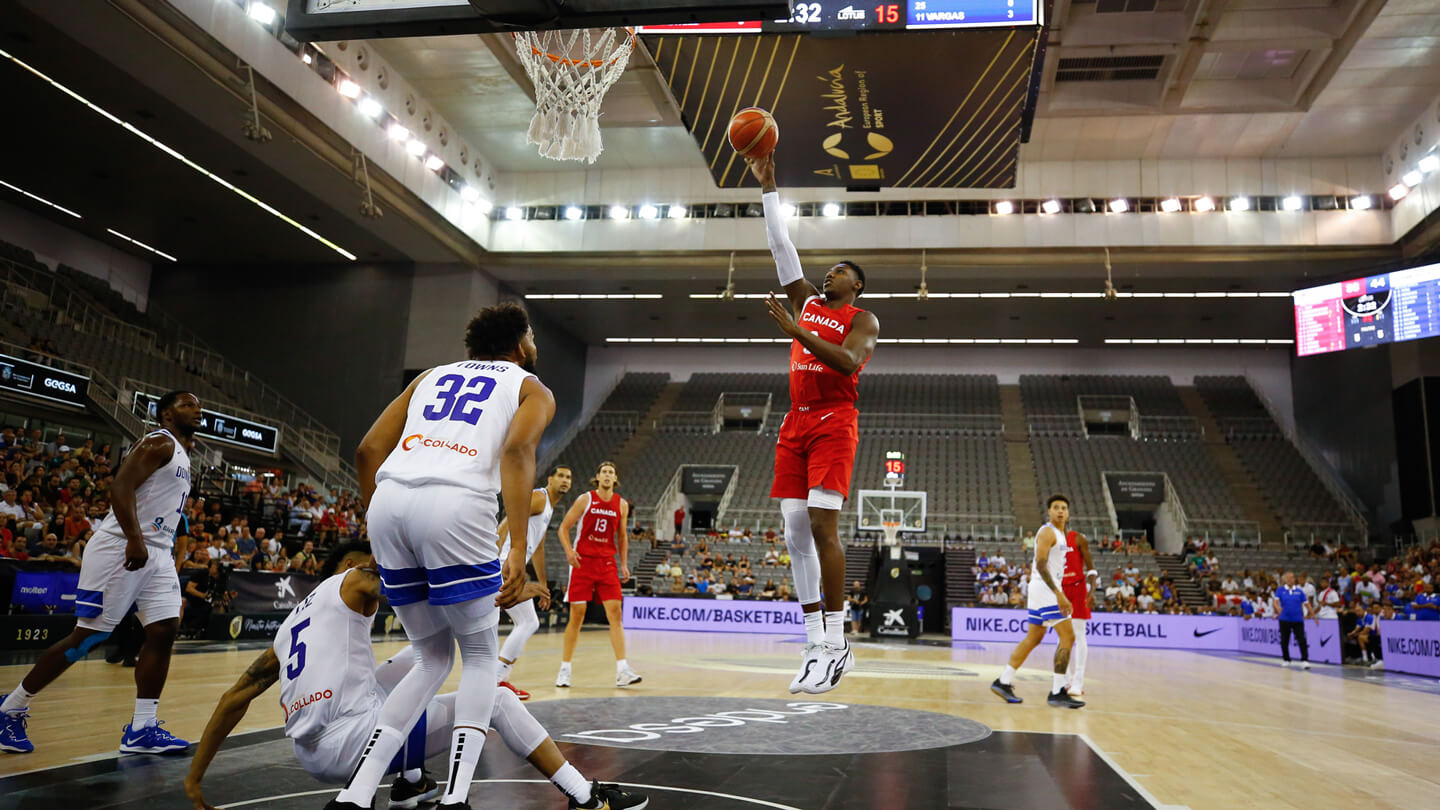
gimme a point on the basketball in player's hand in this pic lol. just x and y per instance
(753, 133)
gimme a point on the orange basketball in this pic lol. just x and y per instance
(753, 132)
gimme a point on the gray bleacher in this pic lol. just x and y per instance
(702, 390)
(1154, 395)
(690, 563)
(959, 476)
(1237, 410)
(636, 391)
(1073, 466)
(929, 393)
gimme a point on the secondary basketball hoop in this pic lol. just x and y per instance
(571, 71)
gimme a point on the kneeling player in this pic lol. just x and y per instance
(332, 705)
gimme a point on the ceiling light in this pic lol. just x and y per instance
(513, 213)
(1117, 206)
(177, 155)
(307, 58)
(371, 107)
(649, 212)
(434, 163)
(1240, 204)
(396, 131)
(348, 88)
(1203, 205)
(1430, 163)
(261, 13)
(1170, 206)
(41, 200)
(1292, 203)
(788, 210)
(469, 193)
(619, 212)
(415, 146)
(830, 210)
(1398, 191)
(1360, 203)
(484, 206)
(1411, 179)
(573, 212)
(138, 243)
(677, 212)
(1050, 206)
(1004, 207)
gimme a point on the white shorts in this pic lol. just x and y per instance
(333, 757)
(434, 543)
(1043, 606)
(106, 590)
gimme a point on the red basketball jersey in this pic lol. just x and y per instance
(811, 381)
(597, 527)
(1074, 562)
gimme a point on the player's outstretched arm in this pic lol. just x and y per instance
(567, 525)
(263, 672)
(381, 439)
(517, 474)
(149, 455)
(787, 259)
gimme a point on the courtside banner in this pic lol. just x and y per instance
(712, 615)
(1104, 629)
(1411, 646)
(1262, 637)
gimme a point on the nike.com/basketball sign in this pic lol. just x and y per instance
(1105, 629)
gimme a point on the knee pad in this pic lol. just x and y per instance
(825, 499)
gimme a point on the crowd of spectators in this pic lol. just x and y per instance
(52, 495)
(715, 574)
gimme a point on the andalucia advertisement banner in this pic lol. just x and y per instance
(847, 117)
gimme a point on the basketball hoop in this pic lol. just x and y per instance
(571, 70)
(892, 532)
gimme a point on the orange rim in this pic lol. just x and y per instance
(594, 63)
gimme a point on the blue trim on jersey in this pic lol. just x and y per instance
(1040, 616)
(89, 604)
(403, 586)
(454, 584)
(451, 574)
(412, 753)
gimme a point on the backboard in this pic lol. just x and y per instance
(319, 20)
(877, 506)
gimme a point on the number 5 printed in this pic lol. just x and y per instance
(296, 663)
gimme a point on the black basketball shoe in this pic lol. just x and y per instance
(1005, 691)
(611, 797)
(1062, 700)
(335, 804)
(405, 795)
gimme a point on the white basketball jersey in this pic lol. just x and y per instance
(1055, 563)
(456, 426)
(535, 534)
(327, 668)
(159, 500)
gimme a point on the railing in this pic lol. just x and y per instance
(664, 501)
(1226, 532)
(730, 488)
(1301, 535)
(687, 422)
(1055, 425)
(963, 424)
(1172, 497)
(1249, 427)
(746, 405)
(1109, 504)
(1326, 473)
(1106, 404)
(615, 420)
(1171, 428)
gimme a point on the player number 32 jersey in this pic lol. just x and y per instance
(456, 425)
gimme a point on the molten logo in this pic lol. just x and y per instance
(408, 442)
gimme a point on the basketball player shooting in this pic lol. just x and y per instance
(331, 692)
(430, 469)
(542, 507)
(1049, 607)
(832, 339)
(128, 562)
(602, 516)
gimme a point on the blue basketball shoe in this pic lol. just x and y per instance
(12, 732)
(150, 740)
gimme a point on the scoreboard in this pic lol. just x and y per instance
(874, 15)
(1384, 308)
(894, 468)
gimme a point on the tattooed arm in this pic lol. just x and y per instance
(263, 672)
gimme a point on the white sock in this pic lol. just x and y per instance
(502, 671)
(572, 783)
(1057, 682)
(835, 628)
(814, 627)
(1007, 676)
(384, 742)
(145, 709)
(564, 666)
(621, 664)
(413, 775)
(465, 745)
(18, 701)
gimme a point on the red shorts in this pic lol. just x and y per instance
(816, 450)
(1078, 594)
(594, 580)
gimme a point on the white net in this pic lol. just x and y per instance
(571, 70)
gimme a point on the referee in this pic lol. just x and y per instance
(1293, 608)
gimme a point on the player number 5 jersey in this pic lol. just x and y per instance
(327, 669)
(456, 425)
(159, 500)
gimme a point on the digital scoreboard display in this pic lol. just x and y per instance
(1384, 308)
(894, 468)
(911, 15)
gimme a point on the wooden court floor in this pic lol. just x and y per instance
(1195, 730)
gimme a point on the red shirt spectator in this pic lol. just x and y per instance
(76, 524)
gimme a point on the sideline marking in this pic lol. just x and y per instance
(1130, 780)
(760, 802)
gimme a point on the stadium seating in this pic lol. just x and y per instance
(1074, 467)
(1055, 394)
(636, 391)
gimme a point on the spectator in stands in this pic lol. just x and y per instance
(769, 591)
(1230, 585)
(9, 505)
(720, 585)
(11, 548)
(997, 558)
(783, 592)
(771, 557)
(677, 545)
(746, 586)
(734, 534)
(702, 582)
(1425, 607)
(1328, 600)
(784, 560)
(859, 600)
(770, 536)
(1366, 588)
(679, 520)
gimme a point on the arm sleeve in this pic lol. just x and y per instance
(787, 259)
